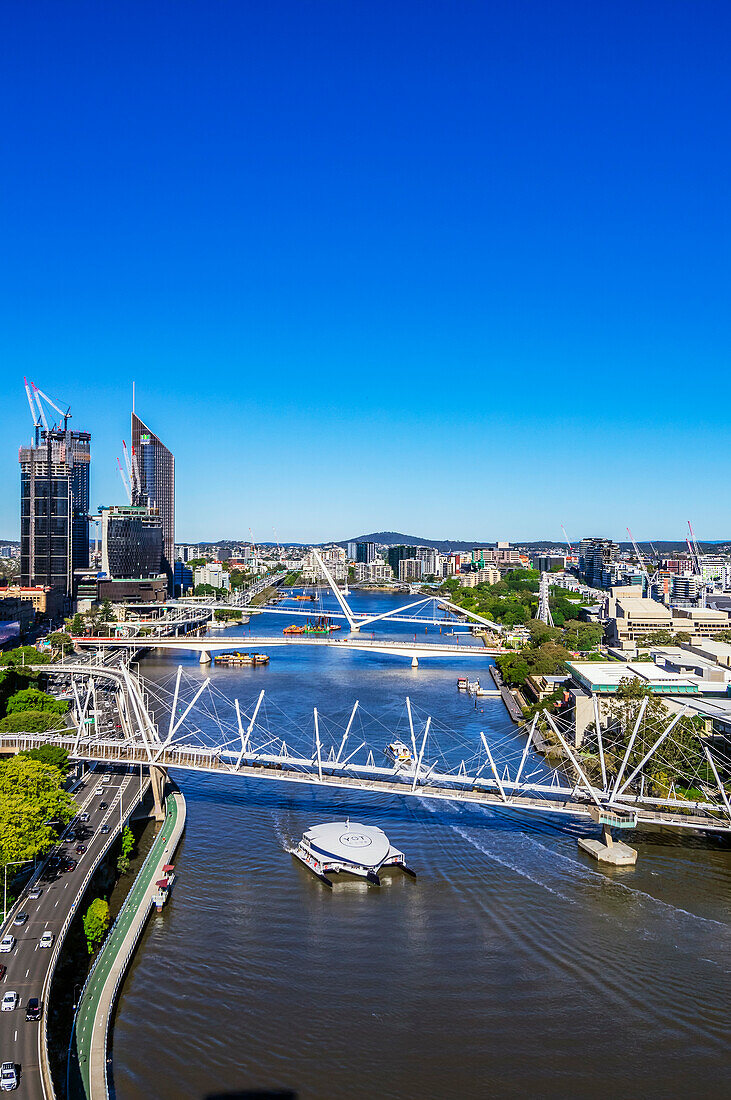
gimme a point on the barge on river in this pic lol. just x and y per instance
(235, 660)
(321, 625)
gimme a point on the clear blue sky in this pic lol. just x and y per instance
(456, 269)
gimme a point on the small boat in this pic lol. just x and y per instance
(399, 752)
(295, 628)
(234, 660)
(345, 846)
(473, 686)
(462, 683)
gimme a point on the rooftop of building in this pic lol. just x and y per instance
(603, 678)
(701, 614)
(641, 607)
(712, 647)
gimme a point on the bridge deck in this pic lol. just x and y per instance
(368, 645)
(210, 760)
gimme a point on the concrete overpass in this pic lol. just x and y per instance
(206, 647)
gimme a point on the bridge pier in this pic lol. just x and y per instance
(205, 658)
(414, 662)
(158, 779)
(607, 850)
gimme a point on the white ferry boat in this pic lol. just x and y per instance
(346, 846)
(399, 752)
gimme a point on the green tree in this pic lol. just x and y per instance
(51, 755)
(31, 796)
(540, 632)
(106, 613)
(128, 841)
(61, 643)
(77, 625)
(31, 721)
(582, 636)
(514, 669)
(33, 699)
(97, 919)
(679, 758)
(24, 655)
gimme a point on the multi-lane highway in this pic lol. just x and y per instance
(28, 964)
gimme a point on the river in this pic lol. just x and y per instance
(512, 967)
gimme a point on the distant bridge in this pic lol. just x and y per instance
(357, 620)
(206, 647)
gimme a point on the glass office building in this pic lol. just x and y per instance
(54, 508)
(154, 485)
(131, 541)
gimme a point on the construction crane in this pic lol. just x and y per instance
(133, 472)
(125, 480)
(568, 540)
(36, 398)
(694, 549)
(641, 560)
(695, 555)
(65, 414)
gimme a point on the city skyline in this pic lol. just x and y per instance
(107, 450)
(405, 269)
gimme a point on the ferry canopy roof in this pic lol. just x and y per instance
(350, 842)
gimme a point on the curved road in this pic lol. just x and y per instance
(27, 964)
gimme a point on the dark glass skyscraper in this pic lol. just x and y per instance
(154, 485)
(54, 508)
(131, 541)
(365, 552)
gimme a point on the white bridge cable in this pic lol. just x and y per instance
(206, 722)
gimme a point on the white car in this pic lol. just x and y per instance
(7, 943)
(35, 893)
(8, 1077)
(84, 817)
(46, 940)
(10, 1001)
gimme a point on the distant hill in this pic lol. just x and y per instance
(395, 538)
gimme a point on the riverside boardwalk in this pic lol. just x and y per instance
(97, 1000)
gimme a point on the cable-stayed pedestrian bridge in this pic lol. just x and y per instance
(431, 610)
(655, 777)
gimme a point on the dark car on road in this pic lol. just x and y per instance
(71, 865)
(33, 1009)
(80, 849)
(3, 971)
(104, 828)
(103, 805)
